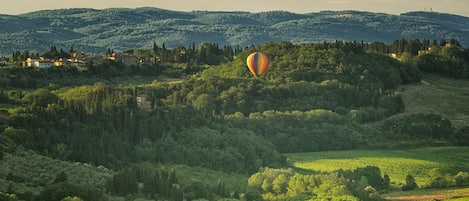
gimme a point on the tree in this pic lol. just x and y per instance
(8, 197)
(123, 183)
(18, 135)
(60, 191)
(72, 198)
(279, 185)
(40, 98)
(373, 176)
(409, 183)
(439, 179)
(61, 177)
(196, 190)
(387, 180)
(461, 179)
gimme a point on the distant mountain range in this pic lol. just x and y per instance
(91, 30)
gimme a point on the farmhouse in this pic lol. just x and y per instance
(127, 59)
(44, 64)
(3, 61)
(40, 63)
(79, 60)
(143, 102)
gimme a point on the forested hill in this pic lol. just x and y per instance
(92, 30)
(217, 121)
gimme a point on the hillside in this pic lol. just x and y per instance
(441, 95)
(24, 171)
(204, 134)
(92, 30)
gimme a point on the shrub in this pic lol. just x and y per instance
(461, 179)
(8, 197)
(409, 183)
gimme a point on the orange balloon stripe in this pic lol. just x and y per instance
(257, 63)
(263, 62)
(251, 64)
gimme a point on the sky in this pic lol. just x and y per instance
(459, 7)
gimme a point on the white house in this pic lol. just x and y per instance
(44, 64)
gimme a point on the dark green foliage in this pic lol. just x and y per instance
(314, 130)
(40, 99)
(373, 176)
(392, 104)
(366, 182)
(439, 180)
(409, 183)
(61, 177)
(158, 183)
(8, 197)
(386, 180)
(197, 190)
(227, 149)
(58, 191)
(7, 145)
(416, 126)
(19, 136)
(26, 196)
(123, 183)
(450, 60)
(253, 196)
(462, 136)
(461, 179)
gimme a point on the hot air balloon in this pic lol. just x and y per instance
(257, 63)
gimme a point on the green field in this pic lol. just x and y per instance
(451, 194)
(397, 164)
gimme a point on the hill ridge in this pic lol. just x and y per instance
(92, 30)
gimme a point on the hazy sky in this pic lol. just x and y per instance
(460, 7)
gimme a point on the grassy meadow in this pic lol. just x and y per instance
(440, 95)
(397, 163)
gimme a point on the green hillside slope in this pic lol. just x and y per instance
(24, 171)
(217, 126)
(441, 95)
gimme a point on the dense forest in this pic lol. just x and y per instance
(314, 97)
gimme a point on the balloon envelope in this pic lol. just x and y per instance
(257, 63)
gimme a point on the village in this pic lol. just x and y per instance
(78, 60)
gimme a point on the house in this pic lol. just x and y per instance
(58, 62)
(39, 63)
(44, 64)
(80, 60)
(143, 102)
(112, 57)
(30, 62)
(395, 55)
(126, 59)
(420, 52)
(74, 54)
